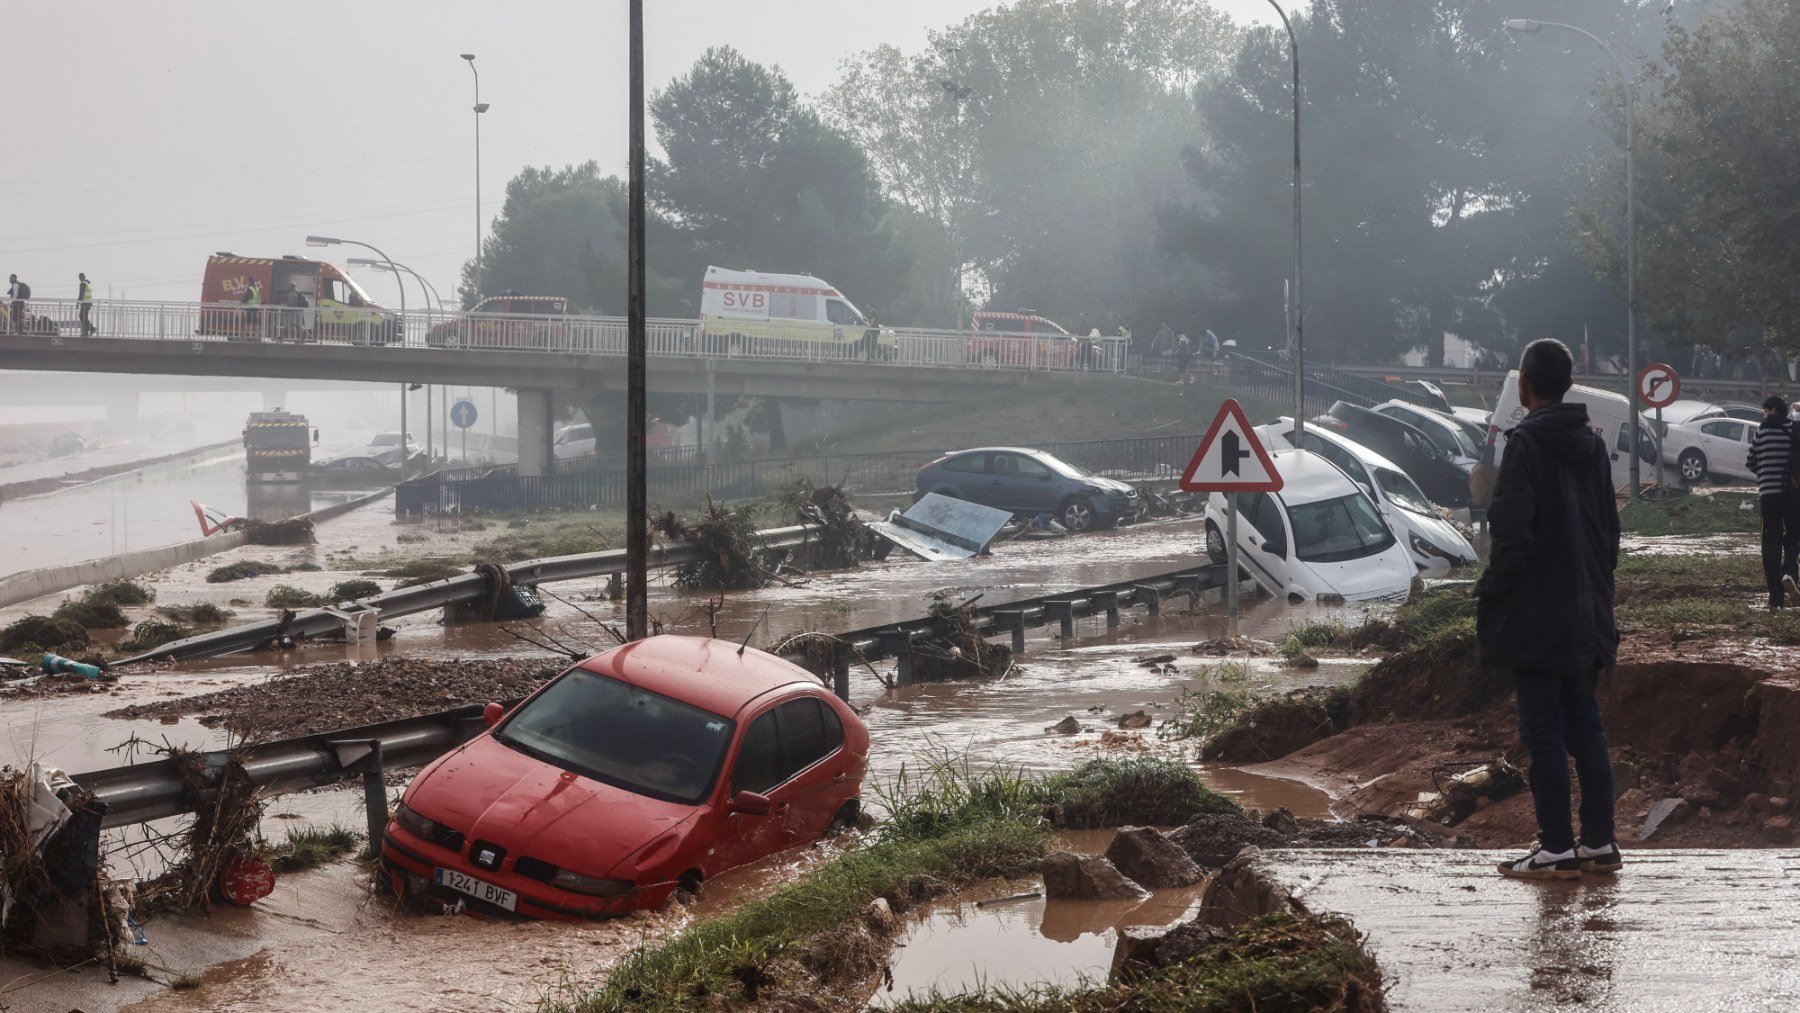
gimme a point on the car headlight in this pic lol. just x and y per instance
(593, 886)
(427, 828)
(1425, 548)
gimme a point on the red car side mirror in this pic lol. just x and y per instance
(492, 714)
(751, 804)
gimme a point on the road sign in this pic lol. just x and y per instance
(463, 413)
(1230, 457)
(1658, 385)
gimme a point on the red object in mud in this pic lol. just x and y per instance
(245, 880)
(658, 764)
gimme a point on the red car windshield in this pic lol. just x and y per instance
(621, 735)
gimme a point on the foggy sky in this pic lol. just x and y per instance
(143, 137)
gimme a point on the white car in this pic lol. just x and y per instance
(385, 447)
(573, 441)
(1434, 542)
(1710, 447)
(1449, 434)
(1319, 538)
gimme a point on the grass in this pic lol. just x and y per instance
(948, 826)
(287, 596)
(311, 847)
(1720, 513)
(1204, 713)
(350, 590)
(242, 570)
(1273, 964)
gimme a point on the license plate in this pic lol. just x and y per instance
(477, 889)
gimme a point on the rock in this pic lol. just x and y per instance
(1731, 790)
(1779, 804)
(1402, 842)
(1281, 820)
(881, 917)
(1152, 860)
(1067, 726)
(1188, 940)
(1699, 793)
(1624, 777)
(1778, 829)
(1136, 719)
(1213, 839)
(1241, 891)
(1756, 802)
(1136, 947)
(1069, 876)
(1154, 659)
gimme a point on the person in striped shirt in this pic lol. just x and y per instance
(1772, 452)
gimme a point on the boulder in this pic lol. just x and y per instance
(1067, 726)
(1778, 829)
(1212, 839)
(1241, 891)
(1069, 876)
(1152, 860)
(1136, 719)
(1281, 820)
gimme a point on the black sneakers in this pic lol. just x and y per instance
(1604, 860)
(1541, 864)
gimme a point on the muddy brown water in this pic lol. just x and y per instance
(322, 944)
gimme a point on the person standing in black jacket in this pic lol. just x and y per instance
(1544, 611)
(1772, 452)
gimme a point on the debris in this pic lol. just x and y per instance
(958, 651)
(292, 531)
(1150, 859)
(1015, 898)
(1281, 820)
(843, 540)
(56, 664)
(1211, 839)
(938, 527)
(1070, 876)
(1067, 726)
(728, 535)
(1222, 646)
(1136, 719)
(1154, 660)
(1662, 811)
(501, 600)
(1133, 741)
(243, 570)
(1463, 794)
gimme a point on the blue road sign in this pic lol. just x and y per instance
(462, 413)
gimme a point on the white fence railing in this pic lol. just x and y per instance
(59, 320)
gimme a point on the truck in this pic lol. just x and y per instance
(300, 300)
(277, 446)
(785, 314)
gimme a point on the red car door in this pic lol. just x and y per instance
(746, 837)
(813, 740)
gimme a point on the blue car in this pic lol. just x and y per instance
(1026, 481)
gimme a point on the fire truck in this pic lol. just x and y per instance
(277, 446)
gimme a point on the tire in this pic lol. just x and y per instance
(845, 819)
(1215, 544)
(1077, 515)
(1692, 466)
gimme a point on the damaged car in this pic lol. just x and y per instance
(649, 768)
(1030, 482)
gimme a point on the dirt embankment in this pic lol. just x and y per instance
(1715, 738)
(319, 698)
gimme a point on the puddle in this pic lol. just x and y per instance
(961, 946)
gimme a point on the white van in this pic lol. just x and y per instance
(1606, 410)
(785, 315)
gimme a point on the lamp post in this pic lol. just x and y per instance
(436, 303)
(1296, 315)
(400, 328)
(480, 107)
(956, 91)
(1532, 26)
(637, 508)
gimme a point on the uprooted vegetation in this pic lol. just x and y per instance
(958, 651)
(243, 569)
(732, 555)
(947, 828)
(203, 613)
(153, 633)
(38, 634)
(287, 596)
(311, 847)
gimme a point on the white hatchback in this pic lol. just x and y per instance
(1433, 540)
(1319, 538)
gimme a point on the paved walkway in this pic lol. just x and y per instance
(1677, 930)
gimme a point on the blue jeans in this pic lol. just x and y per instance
(1558, 719)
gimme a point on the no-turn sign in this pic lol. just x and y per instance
(1658, 385)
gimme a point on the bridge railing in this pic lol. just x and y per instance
(59, 319)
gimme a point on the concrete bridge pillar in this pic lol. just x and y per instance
(121, 411)
(536, 429)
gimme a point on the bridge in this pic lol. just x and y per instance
(537, 355)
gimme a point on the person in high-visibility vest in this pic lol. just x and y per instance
(252, 304)
(86, 299)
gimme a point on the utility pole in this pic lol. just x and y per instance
(637, 505)
(1296, 308)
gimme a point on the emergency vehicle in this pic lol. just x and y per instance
(277, 447)
(784, 314)
(336, 308)
(1021, 340)
(507, 320)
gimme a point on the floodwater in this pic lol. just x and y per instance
(321, 943)
(142, 509)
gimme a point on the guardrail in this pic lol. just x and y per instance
(59, 320)
(501, 489)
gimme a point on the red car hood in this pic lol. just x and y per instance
(494, 793)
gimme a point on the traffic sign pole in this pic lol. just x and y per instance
(1231, 551)
(1659, 457)
(1658, 385)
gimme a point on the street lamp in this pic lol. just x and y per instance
(480, 107)
(1296, 316)
(382, 265)
(957, 93)
(1532, 26)
(399, 329)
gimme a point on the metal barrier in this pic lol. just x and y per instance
(503, 490)
(59, 320)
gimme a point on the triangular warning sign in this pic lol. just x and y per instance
(1230, 458)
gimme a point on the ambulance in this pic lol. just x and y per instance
(336, 308)
(788, 315)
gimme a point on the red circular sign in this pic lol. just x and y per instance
(1658, 385)
(246, 879)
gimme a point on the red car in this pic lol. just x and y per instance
(656, 765)
(1021, 340)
